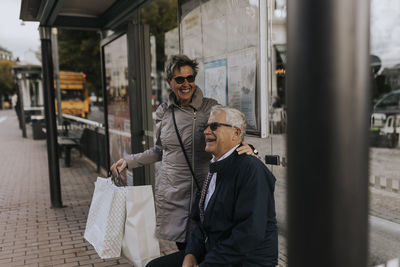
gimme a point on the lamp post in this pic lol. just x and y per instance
(21, 104)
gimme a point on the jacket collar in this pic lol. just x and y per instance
(225, 164)
(197, 99)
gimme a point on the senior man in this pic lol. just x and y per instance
(237, 208)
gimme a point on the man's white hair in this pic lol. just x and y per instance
(233, 117)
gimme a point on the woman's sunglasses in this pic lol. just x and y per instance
(214, 125)
(181, 79)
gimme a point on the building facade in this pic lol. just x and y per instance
(5, 54)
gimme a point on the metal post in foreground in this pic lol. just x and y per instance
(51, 126)
(54, 45)
(328, 107)
(98, 144)
(21, 105)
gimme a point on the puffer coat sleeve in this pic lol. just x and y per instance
(153, 154)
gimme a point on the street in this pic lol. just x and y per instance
(96, 113)
(384, 234)
(384, 205)
(384, 240)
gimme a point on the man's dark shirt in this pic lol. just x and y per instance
(239, 227)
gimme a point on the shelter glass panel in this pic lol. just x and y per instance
(116, 75)
(161, 16)
(384, 153)
(224, 37)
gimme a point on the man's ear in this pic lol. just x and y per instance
(237, 133)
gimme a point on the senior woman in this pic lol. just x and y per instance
(175, 186)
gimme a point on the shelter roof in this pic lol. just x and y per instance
(79, 14)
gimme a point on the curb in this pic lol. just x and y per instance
(391, 263)
(385, 183)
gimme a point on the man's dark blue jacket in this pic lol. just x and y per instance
(239, 227)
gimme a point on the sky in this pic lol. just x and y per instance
(385, 31)
(21, 40)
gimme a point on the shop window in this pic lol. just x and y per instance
(280, 72)
(280, 11)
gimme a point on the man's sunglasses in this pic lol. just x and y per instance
(214, 125)
(181, 79)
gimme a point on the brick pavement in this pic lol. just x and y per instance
(32, 233)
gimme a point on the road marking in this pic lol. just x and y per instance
(3, 119)
(384, 224)
(389, 228)
(391, 263)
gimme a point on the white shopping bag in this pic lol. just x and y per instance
(140, 244)
(106, 219)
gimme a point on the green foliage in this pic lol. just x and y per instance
(80, 51)
(6, 79)
(161, 16)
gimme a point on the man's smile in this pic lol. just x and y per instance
(184, 91)
(210, 139)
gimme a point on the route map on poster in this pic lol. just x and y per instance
(215, 84)
(242, 67)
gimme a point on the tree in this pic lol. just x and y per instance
(6, 79)
(161, 16)
(80, 51)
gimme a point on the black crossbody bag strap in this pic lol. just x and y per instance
(184, 151)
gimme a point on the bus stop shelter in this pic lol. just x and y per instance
(328, 76)
(88, 15)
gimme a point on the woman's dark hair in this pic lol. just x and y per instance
(175, 62)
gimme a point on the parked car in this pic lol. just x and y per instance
(377, 120)
(388, 104)
(385, 120)
(386, 135)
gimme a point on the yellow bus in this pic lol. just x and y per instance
(74, 94)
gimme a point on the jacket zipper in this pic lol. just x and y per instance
(193, 139)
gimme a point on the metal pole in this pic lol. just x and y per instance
(54, 44)
(21, 105)
(51, 126)
(96, 132)
(136, 69)
(328, 107)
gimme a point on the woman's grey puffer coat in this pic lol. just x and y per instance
(175, 188)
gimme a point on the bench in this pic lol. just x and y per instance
(38, 127)
(67, 143)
